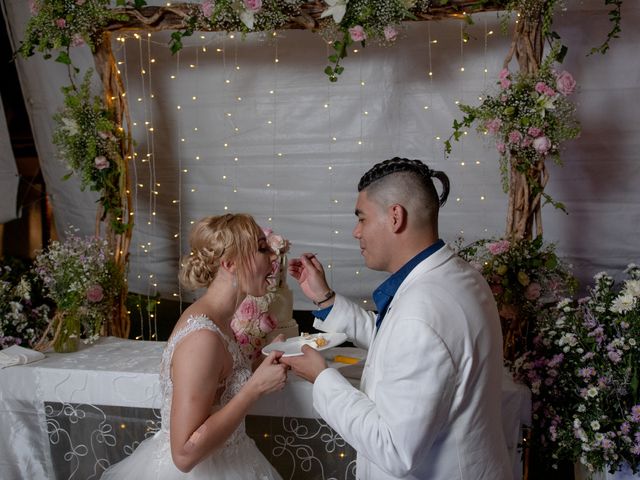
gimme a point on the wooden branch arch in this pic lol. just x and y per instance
(527, 47)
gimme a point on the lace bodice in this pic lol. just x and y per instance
(233, 383)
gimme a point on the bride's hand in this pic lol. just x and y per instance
(270, 376)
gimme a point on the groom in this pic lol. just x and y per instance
(428, 406)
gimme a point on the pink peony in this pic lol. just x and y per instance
(357, 33)
(533, 291)
(542, 145)
(565, 83)
(501, 246)
(390, 33)
(248, 309)
(207, 8)
(95, 293)
(534, 131)
(253, 5)
(101, 162)
(61, 23)
(267, 322)
(493, 126)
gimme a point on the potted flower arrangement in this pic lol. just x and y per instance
(252, 321)
(24, 314)
(82, 279)
(583, 370)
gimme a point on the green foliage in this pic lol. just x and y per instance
(62, 24)
(528, 117)
(89, 142)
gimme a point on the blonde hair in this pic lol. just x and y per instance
(214, 239)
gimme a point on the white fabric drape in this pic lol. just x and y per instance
(9, 179)
(292, 171)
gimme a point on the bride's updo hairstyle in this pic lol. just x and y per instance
(232, 237)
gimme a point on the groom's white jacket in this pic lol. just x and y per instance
(429, 402)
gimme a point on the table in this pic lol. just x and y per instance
(69, 416)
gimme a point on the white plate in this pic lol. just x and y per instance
(293, 346)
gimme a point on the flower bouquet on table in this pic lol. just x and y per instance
(24, 314)
(82, 279)
(526, 278)
(584, 372)
(253, 320)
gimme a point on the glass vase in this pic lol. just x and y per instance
(68, 335)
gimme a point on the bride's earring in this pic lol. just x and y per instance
(234, 282)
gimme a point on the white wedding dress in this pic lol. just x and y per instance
(238, 459)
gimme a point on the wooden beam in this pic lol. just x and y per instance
(175, 17)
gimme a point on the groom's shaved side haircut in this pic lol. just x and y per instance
(408, 183)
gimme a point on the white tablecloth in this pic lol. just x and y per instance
(124, 373)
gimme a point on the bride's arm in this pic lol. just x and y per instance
(199, 362)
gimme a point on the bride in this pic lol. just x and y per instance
(206, 382)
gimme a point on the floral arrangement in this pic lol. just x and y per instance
(583, 371)
(89, 142)
(62, 24)
(82, 279)
(527, 279)
(252, 321)
(528, 118)
(23, 313)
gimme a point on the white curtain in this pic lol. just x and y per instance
(9, 179)
(223, 126)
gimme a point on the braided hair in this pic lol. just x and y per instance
(415, 168)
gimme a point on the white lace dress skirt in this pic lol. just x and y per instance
(152, 461)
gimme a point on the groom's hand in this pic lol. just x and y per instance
(308, 365)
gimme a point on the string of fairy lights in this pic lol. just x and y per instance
(214, 140)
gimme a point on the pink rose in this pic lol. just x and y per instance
(527, 141)
(493, 126)
(514, 137)
(508, 312)
(357, 33)
(565, 83)
(501, 246)
(61, 23)
(533, 291)
(390, 33)
(534, 131)
(101, 162)
(242, 338)
(541, 87)
(267, 322)
(504, 73)
(253, 5)
(207, 8)
(502, 148)
(248, 309)
(505, 83)
(95, 293)
(542, 145)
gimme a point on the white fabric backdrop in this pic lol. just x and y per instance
(9, 179)
(292, 175)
